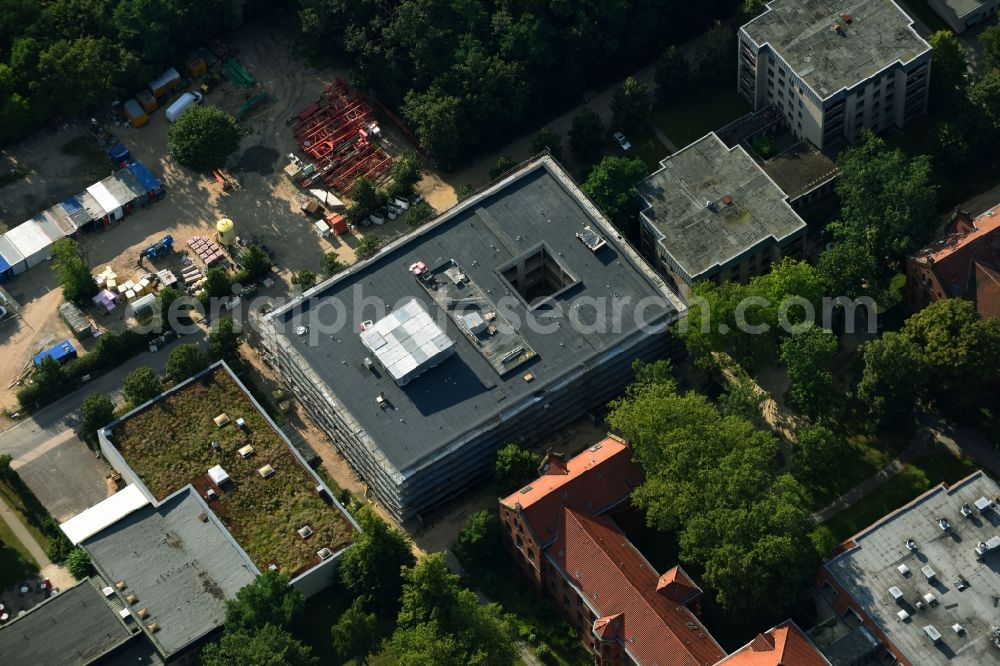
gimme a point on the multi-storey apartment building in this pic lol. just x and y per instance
(835, 69)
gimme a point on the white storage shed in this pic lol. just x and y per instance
(106, 200)
(32, 242)
(11, 260)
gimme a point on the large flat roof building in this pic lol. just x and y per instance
(520, 279)
(711, 213)
(925, 579)
(834, 69)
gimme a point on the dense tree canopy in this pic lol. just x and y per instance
(373, 566)
(712, 478)
(141, 385)
(185, 361)
(471, 75)
(224, 341)
(513, 467)
(97, 411)
(816, 454)
(356, 633)
(443, 624)
(204, 137)
(673, 74)
(631, 104)
(77, 283)
(268, 646)
(586, 135)
(807, 356)
(269, 600)
(611, 185)
(990, 39)
(892, 379)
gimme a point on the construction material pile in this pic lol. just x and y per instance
(207, 249)
(337, 131)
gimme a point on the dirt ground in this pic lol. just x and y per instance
(266, 205)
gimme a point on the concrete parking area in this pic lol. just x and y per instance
(65, 475)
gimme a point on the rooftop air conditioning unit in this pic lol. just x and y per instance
(932, 633)
(903, 615)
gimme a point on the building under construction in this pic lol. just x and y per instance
(510, 315)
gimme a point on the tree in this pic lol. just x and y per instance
(224, 341)
(715, 55)
(514, 467)
(267, 601)
(479, 542)
(270, 646)
(985, 95)
(364, 199)
(503, 165)
(419, 213)
(256, 264)
(586, 135)
(78, 564)
(141, 385)
(97, 411)
(712, 478)
(368, 246)
(304, 279)
(444, 624)
(185, 361)
(960, 351)
(631, 104)
(77, 283)
(950, 65)
(547, 139)
(990, 39)
(611, 185)
(436, 120)
(217, 284)
(356, 634)
(673, 74)
(751, 9)
(888, 203)
(372, 566)
(847, 270)
(203, 138)
(808, 355)
(164, 299)
(331, 264)
(405, 174)
(743, 398)
(816, 455)
(893, 378)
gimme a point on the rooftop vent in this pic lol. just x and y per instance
(108, 591)
(930, 599)
(727, 200)
(525, 490)
(142, 613)
(324, 553)
(847, 18)
(210, 494)
(837, 28)
(530, 377)
(928, 572)
(305, 531)
(241, 423)
(131, 599)
(218, 475)
(121, 585)
(246, 451)
(301, 330)
(125, 615)
(961, 583)
(932, 633)
(381, 401)
(265, 471)
(203, 517)
(958, 629)
(896, 593)
(983, 505)
(272, 567)
(966, 511)
(944, 524)
(988, 546)
(903, 570)
(911, 544)
(153, 628)
(221, 419)
(596, 447)
(903, 616)
(214, 445)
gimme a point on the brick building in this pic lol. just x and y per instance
(964, 264)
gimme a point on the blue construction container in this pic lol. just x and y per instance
(61, 353)
(119, 153)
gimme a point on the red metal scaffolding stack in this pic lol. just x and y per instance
(334, 131)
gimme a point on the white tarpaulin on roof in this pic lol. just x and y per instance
(32, 242)
(104, 513)
(105, 199)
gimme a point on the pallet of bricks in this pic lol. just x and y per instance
(335, 131)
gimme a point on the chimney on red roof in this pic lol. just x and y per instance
(553, 463)
(960, 223)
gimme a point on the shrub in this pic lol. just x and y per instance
(79, 564)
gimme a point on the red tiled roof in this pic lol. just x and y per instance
(592, 481)
(952, 257)
(785, 645)
(987, 291)
(616, 579)
(677, 585)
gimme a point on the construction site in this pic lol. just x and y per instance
(308, 139)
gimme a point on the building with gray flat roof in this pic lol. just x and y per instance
(179, 563)
(523, 291)
(963, 14)
(835, 69)
(925, 579)
(77, 627)
(711, 213)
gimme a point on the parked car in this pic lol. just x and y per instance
(622, 141)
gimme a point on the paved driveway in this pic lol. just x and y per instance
(64, 474)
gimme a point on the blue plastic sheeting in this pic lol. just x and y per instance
(61, 353)
(145, 177)
(119, 153)
(4, 268)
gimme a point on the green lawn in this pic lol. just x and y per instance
(915, 478)
(692, 117)
(23, 510)
(15, 562)
(921, 9)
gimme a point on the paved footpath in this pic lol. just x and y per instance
(23, 535)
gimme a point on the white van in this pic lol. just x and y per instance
(183, 103)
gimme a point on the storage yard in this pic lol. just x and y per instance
(270, 89)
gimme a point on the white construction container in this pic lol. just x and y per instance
(182, 104)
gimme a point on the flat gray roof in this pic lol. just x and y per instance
(687, 206)
(483, 234)
(963, 8)
(801, 32)
(76, 626)
(180, 563)
(868, 570)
